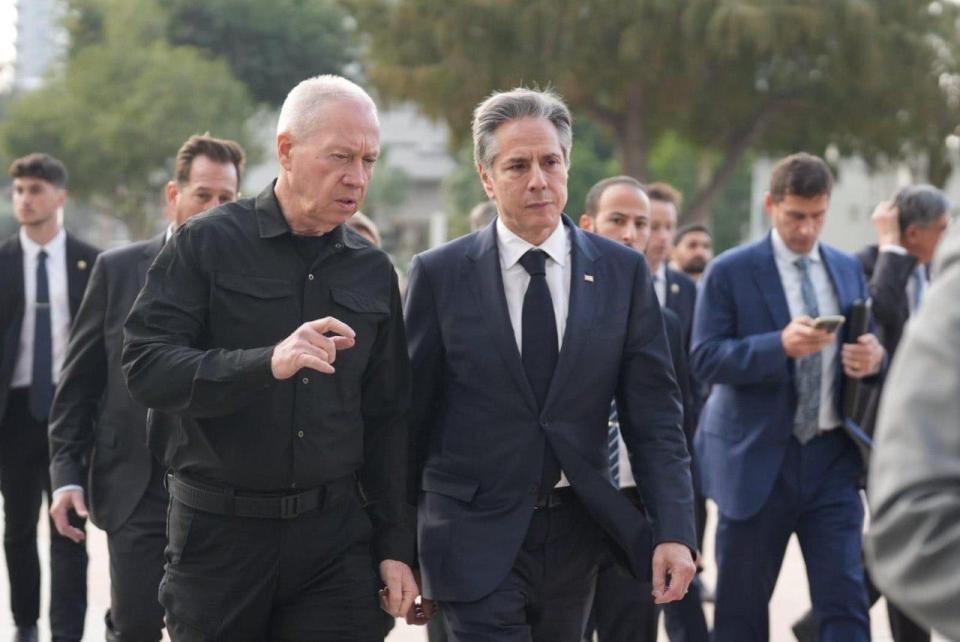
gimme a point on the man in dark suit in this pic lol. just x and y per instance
(43, 273)
(678, 292)
(770, 449)
(617, 208)
(520, 335)
(909, 229)
(675, 290)
(98, 433)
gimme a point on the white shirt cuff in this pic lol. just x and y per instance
(66, 488)
(896, 249)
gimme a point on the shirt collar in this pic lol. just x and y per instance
(511, 247)
(661, 274)
(786, 255)
(55, 247)
(272, 223)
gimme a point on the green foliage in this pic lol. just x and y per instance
(121, 108)
(730, 77)
(270, 46)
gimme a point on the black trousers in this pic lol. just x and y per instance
(239, 579)
(546, 597)
(136, 566)
(24, 479)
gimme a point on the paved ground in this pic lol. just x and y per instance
(790, 599)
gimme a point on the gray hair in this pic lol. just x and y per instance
(301, 108)
(519, 103)
(920, 205)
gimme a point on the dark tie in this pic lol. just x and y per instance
(41, 387)
(540, 346)
(613, 445)
(808, 369)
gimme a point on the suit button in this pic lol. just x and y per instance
(544, 423)
(533, 489)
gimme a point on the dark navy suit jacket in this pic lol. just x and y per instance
(747, 421)
(682, 299)
(479, 435)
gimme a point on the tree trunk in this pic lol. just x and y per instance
(632, 136)
(701, 205)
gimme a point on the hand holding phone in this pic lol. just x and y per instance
(831, 322)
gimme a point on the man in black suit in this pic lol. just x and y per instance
(98, 433)
(623, 610)
(909, 228)
(43, 273)
(520, 335)
(675, 290)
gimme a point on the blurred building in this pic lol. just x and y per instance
(41, 41)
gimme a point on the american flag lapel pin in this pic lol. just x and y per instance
(588, 278)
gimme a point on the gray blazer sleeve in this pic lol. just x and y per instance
(913, 546)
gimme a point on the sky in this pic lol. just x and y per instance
(8, 32)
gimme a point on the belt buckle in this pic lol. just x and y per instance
(290, 506)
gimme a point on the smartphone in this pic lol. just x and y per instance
(831, 322)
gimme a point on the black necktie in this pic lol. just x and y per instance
(540, 347)
(41, 386)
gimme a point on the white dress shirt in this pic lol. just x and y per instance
(660, 284)
(917, 279)
(56, 251)
(515, 278)
(511, 247)
(791, 278)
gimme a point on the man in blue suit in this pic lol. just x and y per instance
(770, 451)
(520, 335)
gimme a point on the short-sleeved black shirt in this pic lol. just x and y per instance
(227, 288)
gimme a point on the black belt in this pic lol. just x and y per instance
(556, 497)
(225, 501)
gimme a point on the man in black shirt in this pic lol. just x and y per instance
(269, 336)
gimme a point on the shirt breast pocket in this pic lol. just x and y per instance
(363, 313)
(250, 311)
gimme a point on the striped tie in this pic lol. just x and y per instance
(808, 369)
(613, 445)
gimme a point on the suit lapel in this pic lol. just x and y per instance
(78, 270)
(487, 283)
(13, 266)
(581, 307)
(841, 286)
(767, 276)
(150, 252)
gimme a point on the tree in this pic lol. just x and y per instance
(269, 46)
(728, 76)
(119, 111)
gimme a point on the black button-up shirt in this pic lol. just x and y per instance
(227, 288)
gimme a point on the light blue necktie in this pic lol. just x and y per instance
(919, 281)
(613, 445)
(808, 369)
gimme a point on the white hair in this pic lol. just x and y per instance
(301, 108)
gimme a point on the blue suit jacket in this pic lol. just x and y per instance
(747, 421)
(479, 435)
